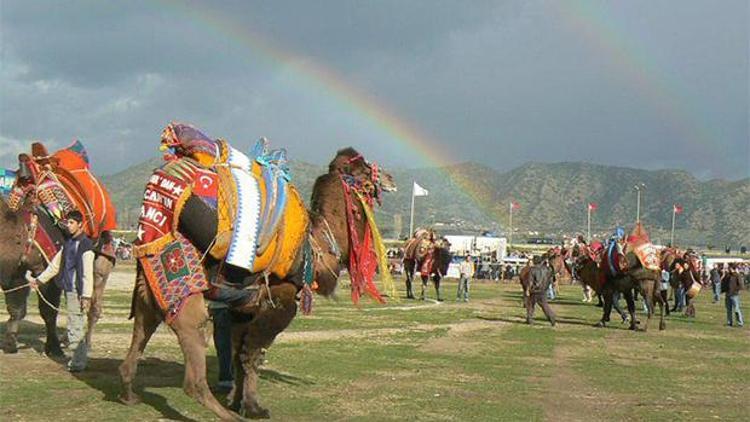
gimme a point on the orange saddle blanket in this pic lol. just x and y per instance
(70, 166)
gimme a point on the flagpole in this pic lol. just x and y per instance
(411, 218)
(638, 189)
(510, 224)
(671, 238)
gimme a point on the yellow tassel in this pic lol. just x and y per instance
(385, 274)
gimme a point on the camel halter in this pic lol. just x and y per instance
(333, 247)
(31, 229)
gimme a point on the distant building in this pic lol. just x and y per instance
(478, 245)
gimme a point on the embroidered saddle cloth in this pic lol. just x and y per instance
(262, 220)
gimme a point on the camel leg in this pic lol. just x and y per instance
(663, 308)
(628, 293)
(102, 268)
(424, 287)
(607, 297)
(189, 326)
(147, 318)
(409, 289)
(240, 331)
(259, 334)
(647, 292)
(52, 293)
(15, 303)
(436, 282)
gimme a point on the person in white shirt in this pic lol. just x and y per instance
(466, 270)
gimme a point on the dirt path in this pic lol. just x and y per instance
(570, 396)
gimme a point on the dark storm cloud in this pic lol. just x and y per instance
(644, 84)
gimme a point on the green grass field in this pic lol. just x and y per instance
(418, 361)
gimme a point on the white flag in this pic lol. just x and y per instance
(419, 190)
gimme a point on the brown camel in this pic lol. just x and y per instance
(646, 281)
(432, 262)
(251, 334)
(16, 259)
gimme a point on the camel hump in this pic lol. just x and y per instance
(38, 150)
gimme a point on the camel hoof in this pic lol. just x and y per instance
(10, 348)
(600, 324)
(662, 327)
(53, 351)
(256, 413)
(129, 399)
(633, 327)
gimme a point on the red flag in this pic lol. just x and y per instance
(593, 206)
(678, 209)
(514, 205)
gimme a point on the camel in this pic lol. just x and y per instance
(646, 281)
(18, 255)
(329, 235)
(432, 259)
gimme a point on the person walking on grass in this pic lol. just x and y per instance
(466, 269)
(540, 279)
(73, 270)
(734, 286)
(715, 277)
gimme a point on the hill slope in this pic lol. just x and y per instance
(553, 197)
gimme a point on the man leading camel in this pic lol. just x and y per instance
(74, 267)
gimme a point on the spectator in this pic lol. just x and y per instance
(715, 277)
(664, 287)
(732, 298)
(466, 269)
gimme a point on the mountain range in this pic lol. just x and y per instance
(552, 199)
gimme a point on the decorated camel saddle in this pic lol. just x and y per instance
(420, 244)
(58, 184)
(261, 216)
(636, 255)
(639, 243)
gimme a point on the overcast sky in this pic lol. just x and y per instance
(647, 84)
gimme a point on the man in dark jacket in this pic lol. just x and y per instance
(732, 299)
(540, 278)
(73, 270)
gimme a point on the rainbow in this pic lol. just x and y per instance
(314, 76)
(586, 19)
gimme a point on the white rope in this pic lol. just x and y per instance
(319, 255)
(41, 296)
(16, 288)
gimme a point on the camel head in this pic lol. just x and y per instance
(23, 186)
(369, 176)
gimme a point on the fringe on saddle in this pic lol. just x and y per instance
(368, 254)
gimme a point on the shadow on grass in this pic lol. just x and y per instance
(31, 335)
(102, 374)
(282, 378)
